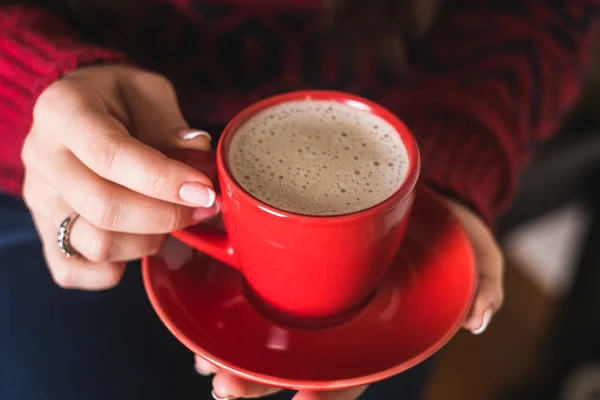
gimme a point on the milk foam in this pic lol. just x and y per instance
(318, 158)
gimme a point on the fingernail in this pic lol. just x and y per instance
(189, 135)
(197, 194)
(487, 316)
(216, 397)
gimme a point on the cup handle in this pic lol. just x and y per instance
(203, 237)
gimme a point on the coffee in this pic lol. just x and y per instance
(318, 158)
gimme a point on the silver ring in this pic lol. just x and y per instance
(64, 231)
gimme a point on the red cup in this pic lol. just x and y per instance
(299, 267)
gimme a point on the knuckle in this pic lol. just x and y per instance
(52, 101)
(102, 154)
(27, 152)
(102, 209)
(28, 197)
(152, 78)
(35, 200)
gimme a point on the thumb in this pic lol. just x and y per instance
(155, 116)
(490, 265)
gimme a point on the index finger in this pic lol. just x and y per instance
(104, 145)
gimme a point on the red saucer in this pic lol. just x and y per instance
(420, 305)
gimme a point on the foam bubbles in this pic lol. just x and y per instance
(322, 158)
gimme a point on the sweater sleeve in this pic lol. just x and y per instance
(492, 83)
(36, 49)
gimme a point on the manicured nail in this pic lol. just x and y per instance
(487, 316)
(189, 135)
(197, 194)
(214, 395)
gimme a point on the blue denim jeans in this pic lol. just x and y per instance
(58, 344)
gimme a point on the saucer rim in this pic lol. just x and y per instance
(296, 384)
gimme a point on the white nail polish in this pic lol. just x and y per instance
(214, 396)
(211, 198)
(197, 194)
(194, 134)
(487, 316)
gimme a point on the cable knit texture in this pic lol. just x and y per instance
(36, 49)
(487, 86)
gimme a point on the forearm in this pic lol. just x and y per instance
(36, 49)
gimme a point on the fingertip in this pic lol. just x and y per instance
(204, 367)
(222, 386)
(226, 385)
(212, 196)
(202, 214)
(485, 321)
(484, 306)
(216, 397)
(477, 324)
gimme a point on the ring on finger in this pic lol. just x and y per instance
(64, 232)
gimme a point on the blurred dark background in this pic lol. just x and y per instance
(545, 342)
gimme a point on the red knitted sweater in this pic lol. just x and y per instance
(488, 84)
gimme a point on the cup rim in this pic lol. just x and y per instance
(406, 188)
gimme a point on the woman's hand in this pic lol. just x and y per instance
(487, 301)
(227, 386)
(93, 149)
(490, 266)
